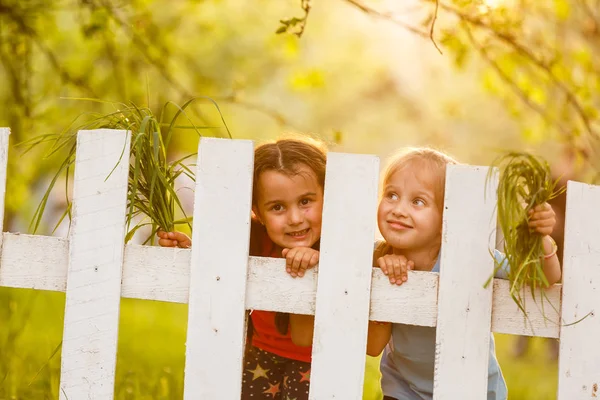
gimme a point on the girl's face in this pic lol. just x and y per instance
(290, 207)
(408, 215)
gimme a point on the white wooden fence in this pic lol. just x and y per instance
(220, 281)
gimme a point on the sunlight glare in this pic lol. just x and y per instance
(492, 3)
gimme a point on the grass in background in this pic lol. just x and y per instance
(151, 352)
(532, 377)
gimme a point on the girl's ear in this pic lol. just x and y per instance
(256, 215)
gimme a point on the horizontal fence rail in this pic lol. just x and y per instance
(220, 281)
(155, 273)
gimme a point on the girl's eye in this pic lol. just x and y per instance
(392, 196)
(304, 202)
(418, 202)
(277, 207)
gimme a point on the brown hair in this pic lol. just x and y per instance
(426, 157)
(287, 156)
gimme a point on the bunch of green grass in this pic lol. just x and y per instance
(151, 193)
(525, 182)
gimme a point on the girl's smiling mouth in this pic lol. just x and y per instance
(398, 225)
(298, 234)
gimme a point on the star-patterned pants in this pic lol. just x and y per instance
(269, 376)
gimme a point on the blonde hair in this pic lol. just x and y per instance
(436, 162)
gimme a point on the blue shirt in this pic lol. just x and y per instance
(408, 361)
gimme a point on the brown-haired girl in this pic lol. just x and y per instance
(287, 203)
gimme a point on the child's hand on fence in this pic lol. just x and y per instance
(542, 219)
(299, 259)
(174, 239)
(395, 267)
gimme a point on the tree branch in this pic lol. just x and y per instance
(63, 73)
(590, 12)
(232, 99)
(513, 85)
(387, 17)
(435, 14)
(159, 65)
(527, 54)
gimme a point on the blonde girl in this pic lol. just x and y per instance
(410, 220)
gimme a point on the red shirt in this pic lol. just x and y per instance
(265, 335)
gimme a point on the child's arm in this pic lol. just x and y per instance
(378, 337)
(542, 219)
(297, 261)
(396, 268)
(302, 328)
(174, 239)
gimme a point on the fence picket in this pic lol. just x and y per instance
(464, 305)
(344, 279)
(579, 361)
(219, 262)
(94, 269)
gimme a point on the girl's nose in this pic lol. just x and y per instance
(399, 210)
(295, 216)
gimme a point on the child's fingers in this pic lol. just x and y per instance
(294, 259)
(543, 207)
(543, 227)
(382, 265)
(389, 264)
(542, 222)
(393, 266)
(305, 264)
(311, 258)
(549, 214)
(167, 242)
(395, 270)
(539, 207)
(314, 260)
(184, 244)
(289, 257)
(400, 271)
(181, 237)
(404, 276)
(284, 252)
(297, 263)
